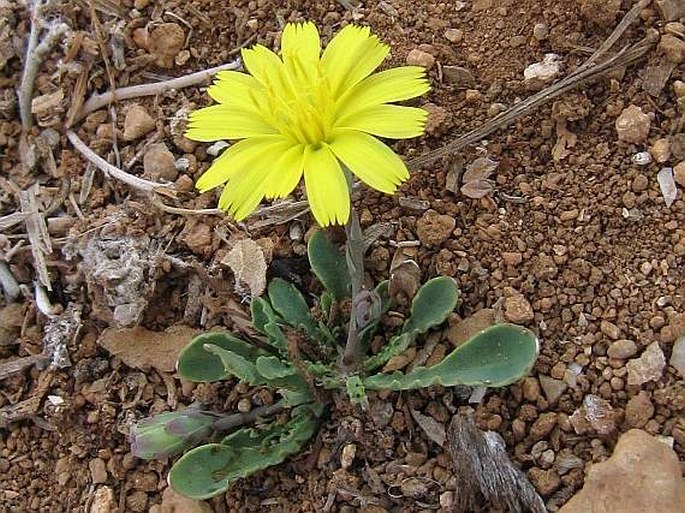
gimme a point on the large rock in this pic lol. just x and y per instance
(643, 475)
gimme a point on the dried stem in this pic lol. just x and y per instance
(354, 253)
(241, 419)
(35, 53)
(99, 101)
(8, 282)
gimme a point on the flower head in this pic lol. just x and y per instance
(307, 112)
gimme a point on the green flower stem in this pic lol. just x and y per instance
(354, 253)
(241, 419)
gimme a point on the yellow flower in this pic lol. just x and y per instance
(308, 112)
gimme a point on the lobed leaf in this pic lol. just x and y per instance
(356, 391)
(495, 357)
(434, 301)
(210, 469)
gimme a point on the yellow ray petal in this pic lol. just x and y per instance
(327, 191)
(220, 122)
(301, 40)
(239, 157)
(391, 85)
(246, 189)
(234, 88)
(371, 160)
(391, 121)
(287, 173)
(244, 192)
(262, 63)
(353, 54)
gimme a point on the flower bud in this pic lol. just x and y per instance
(170, 433)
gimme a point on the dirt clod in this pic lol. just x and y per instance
(433, 229)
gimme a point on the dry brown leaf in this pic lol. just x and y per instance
(141, 349)
(477, 189)
(565, 141)
(433, 429)
(246, 260)
(479, 169)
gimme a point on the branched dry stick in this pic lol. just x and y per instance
(35, 53)
(582, 75)
(610, 41)
(98, 101)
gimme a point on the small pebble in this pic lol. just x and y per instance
(540, 31)
(166, 41)
(98, 471)
(418, 57)
(610, 329)
(216, 148)
(641, 158)
(667, 185)
(434, 229)
(137, 123)
(648, 367)
(552, 388)
(661, 150)
(531, 389)
(349, 452)
(454, 35)
(622, 349)
(159, 163)
(639, 410)
(632, 125)
(458, 76)
(517, 308)
(677, 360)
(545, 71)
(673, 48)
(679, 173)
(640, 183)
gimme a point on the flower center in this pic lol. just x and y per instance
(299, 103)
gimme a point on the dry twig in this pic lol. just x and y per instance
(110, 170)
(582, 75)
(98, 101)
(39, 239)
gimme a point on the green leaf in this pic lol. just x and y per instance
(262, 313)
(280, 374)
(196, 364)
(397, 345)
(277, 373)
(432, 304)
(276, 337)
(356, 391)
(434, 301)
(289, 303)
(329, 266)
(237, 365)
(209, 470)
(326, 302)
(495, 357)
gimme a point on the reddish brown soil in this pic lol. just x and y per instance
(591, 241)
